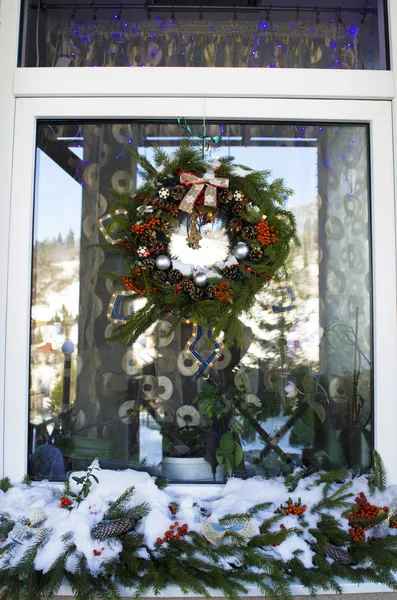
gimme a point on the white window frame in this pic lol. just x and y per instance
(29, 110)
(27, 95)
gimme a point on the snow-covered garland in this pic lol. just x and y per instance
(105, 538)
(185, 194)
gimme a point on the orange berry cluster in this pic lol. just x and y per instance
(223, 292)
(357, 533)
(175, 532)
(4, 539)
(266, 233)
(98, 552)
(133, 286)
(136, 287)
(294, 508)
(364, 510)
(140, 228)
(65, 502)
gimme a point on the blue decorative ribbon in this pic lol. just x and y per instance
(191, 349)
(214, 532)
(114, 307)
(282, 309)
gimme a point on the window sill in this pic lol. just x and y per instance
(253, 591)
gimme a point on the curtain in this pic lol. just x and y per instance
(202, 43)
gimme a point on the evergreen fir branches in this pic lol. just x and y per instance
(199, 567)
(377, 479)
(5, 484)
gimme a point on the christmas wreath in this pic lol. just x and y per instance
(185, 192)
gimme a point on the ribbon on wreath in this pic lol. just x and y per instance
(215, 532)
(209, 182)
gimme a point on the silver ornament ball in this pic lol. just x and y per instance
(200, 280)
(241, 251)
(162, 262)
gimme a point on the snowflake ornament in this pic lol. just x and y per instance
(237, 195)
(164, 193)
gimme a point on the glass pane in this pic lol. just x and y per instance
(299, 391)
(228, 34)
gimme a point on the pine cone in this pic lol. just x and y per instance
(231, 272)
(236, 225)
(148, 264)
(149, 239)
(178, 192)
(209, 290)
(256, 254)
(197, 293)
(238, 208)
(175, 275)
(160, 276)
(225, 196)
(338, 554)
(188, 286)
(114, 528)
(248, 233)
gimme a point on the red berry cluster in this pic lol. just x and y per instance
(65, 502)
(98, 552)
(4, 539)
(173, 508)
(173, 210)
(175, 532)
(267, 531)
(364, 510)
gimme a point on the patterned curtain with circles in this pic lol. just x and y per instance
(160, 42)
(345, 286)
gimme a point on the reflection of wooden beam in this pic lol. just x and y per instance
(287, 426)
(264, 435)
(61, 154)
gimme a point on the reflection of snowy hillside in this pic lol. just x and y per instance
(55, 306)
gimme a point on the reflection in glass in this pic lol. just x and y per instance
(300, 390)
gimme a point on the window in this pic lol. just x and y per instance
(185, 34)
(306, 374)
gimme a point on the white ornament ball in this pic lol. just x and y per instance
(162, 262)
(200, 280)
(164, 193)
(237, 195)
(241, 251)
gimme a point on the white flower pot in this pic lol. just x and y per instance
(190, 469)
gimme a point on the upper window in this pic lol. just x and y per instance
(298, 391)
(182, 33)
